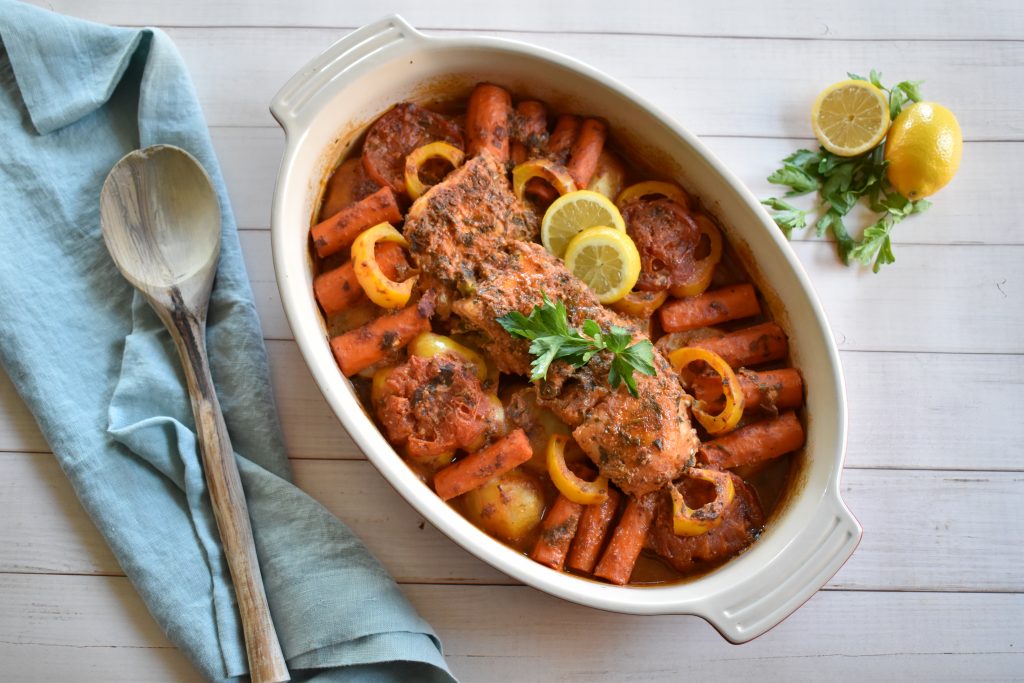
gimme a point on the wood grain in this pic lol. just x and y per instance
(922, 528)
(47, 633)
(916, 19)
(769, 84)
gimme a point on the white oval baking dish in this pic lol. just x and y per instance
(322, 110)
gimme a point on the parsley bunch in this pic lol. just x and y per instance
(547, 327)
(841, 182)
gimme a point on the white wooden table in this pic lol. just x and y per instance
(931, 348)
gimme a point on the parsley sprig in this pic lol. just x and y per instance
(547, 328)
(841, 182)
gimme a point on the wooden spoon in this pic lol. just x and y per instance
(161, 223)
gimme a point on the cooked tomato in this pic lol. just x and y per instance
(434, 406)
(401, 130)
(667, 237)
(740, 525)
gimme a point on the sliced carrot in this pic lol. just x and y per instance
(627, 540)
(766, 390)
(563, 136)
(749, 346)
(487, 125)
(340, 230)
(362, 347)
(710, 308)
(595, 522)
(556, 533)
(755, 442)
(338, 289)
(478, 468)
(586, 150)
(531, 130)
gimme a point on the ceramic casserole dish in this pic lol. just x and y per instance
(324, 108)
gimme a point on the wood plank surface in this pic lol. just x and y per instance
(47, 633)
(769, 84)
(932, 350)
(873, 19)
(922, 528)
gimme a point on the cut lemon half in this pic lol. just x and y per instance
(850, 117)
(606, 259)
(573, 213)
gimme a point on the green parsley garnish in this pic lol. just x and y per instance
(547, 328)
(841, 182)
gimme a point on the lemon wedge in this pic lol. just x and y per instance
(850, 117)
(606, 259)
(573, 213)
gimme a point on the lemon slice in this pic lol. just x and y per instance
(850, 117)
(574, 212)
(606, 259)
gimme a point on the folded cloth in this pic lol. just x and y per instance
(99, 372)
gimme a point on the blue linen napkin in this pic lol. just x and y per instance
(99, 372)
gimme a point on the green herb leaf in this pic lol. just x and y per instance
(912, 89)
(787, 216)
(876, 244)
(796, 178)
(552, 338)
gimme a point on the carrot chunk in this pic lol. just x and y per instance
(487, 124)
(627, 540)
(755, 442)
(595, 522)
(710, 308)
(475, 470)
(338, 289)
(749, 346)
(769, 390)
(339, 231)
(556, 533)
(586, 150)
(362, 347)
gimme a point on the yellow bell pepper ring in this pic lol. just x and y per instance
(428, 345)
(548, 170)
(705, 267)
(734, 400)
(379, 288)
(568, 484)
(414, 162)
(690, 522)
(655, 188)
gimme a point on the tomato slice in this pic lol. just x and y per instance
(669, 238)
(397, 133)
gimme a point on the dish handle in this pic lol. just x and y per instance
(797, 572)
(291, 101)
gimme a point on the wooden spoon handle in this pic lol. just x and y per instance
(266, 662)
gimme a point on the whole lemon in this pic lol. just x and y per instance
(923, 149)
